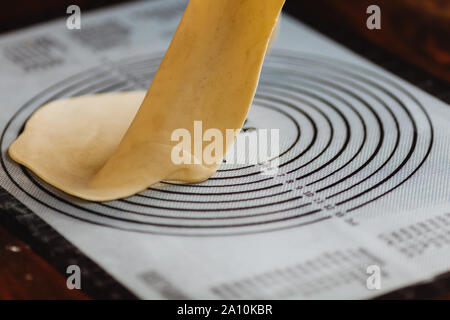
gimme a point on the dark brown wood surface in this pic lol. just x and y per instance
(25, 275)
(417, 31)
(413, 30)
(23, 13)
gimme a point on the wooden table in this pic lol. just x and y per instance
(25, 275)
(414, 31)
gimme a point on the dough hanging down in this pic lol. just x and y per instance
(110, 146)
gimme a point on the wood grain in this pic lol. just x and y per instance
(417, 31)
(25, 275)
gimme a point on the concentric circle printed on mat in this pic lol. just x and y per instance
(348, 136)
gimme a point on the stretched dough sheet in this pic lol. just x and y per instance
(88, 146)
(363, 183)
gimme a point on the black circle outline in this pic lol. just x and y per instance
(398, 87)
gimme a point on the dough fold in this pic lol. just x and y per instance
(110, 146)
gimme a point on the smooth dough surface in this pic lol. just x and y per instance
(110, 146)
